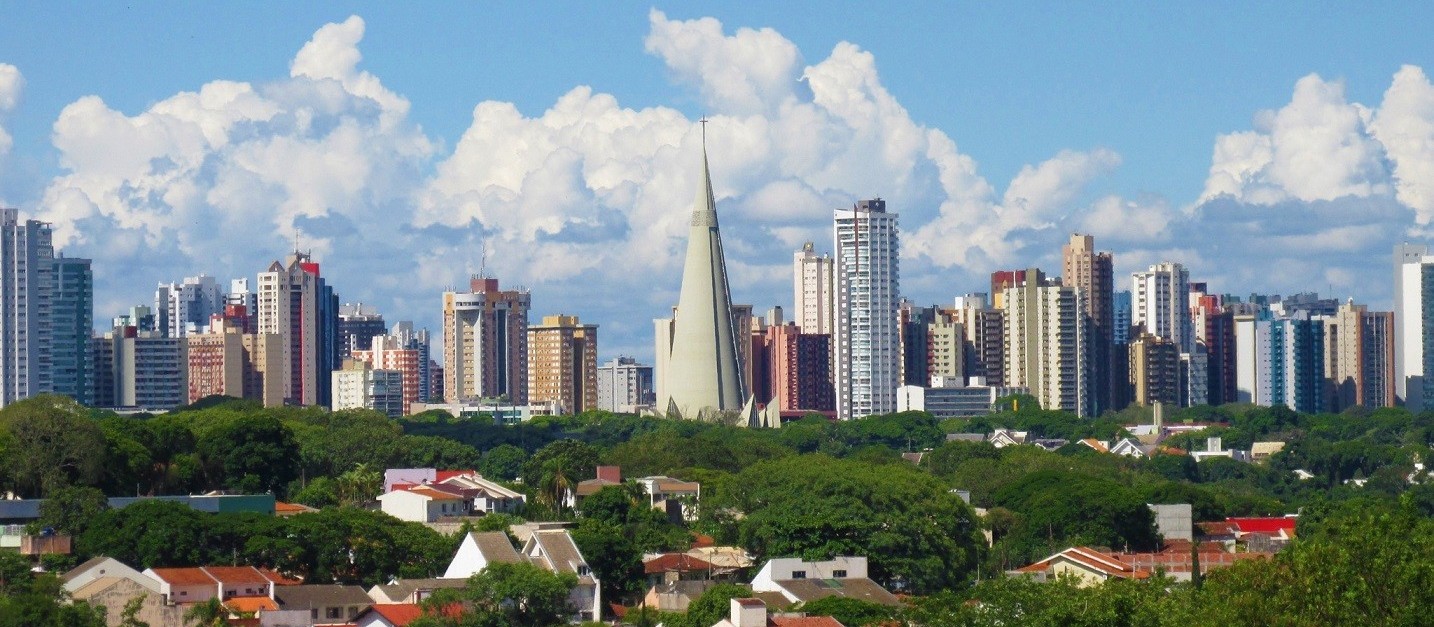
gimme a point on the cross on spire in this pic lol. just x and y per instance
(704, 131)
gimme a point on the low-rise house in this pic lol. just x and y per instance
(394, 478)
(324, 604)
(402, 591)
(115, 593)
(1049, 444)
(1097, 445)
(285, 510)
(1087, 565)
(800, 581)
(1264, 533)
(389, 615)
(753, 613)
(677, 595)
(1132, 447)
(485, 497)
(100, 567)
(673, 496)
(550, 549)
(1260, 452)
(424, 503)
(606, 476)
(1001, 438)
(1214, 447)
(1175, 559)
(965, 437)
(670, 567)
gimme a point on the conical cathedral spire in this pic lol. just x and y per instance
(703, 376)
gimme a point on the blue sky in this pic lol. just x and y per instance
(1113, 114)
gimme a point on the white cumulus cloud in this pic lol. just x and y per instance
(11, 84)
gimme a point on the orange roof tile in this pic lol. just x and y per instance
(278, 579)
(675, 562)
(281, 507)
(804, 621)
(437, 495)
(251, 604)
(183, 576)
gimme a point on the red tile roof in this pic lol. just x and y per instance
(444, 475)
(675, 562)
(183, 576)
(437, 495)
(1108, 565)
(399, 614)
(1264, 525)
(281, 508)
(251, 604)
(278, 579)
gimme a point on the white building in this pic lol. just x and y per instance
(867, 342)
(26, 289)
(1045, 344)
(424, 504)
(952, 397)
(1160, 304)
(1412, 264)
(812, 276)
(359, 386)
(624, 386)
(184, 308)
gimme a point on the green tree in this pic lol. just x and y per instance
(850, 612)
(50, 443)
(210, 613)
(504, 462)
(1059, 509)
(70, 510)
(714, 605)
(252, 453)
(149, 533)
(557, 468)
(918, 535)
(359, 485)
(506, 595)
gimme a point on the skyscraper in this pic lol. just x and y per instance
(1413, 267)
(624, 385)
(485, 343)
(702, 376)
(1045, 346)
(1093, 273)
(1160, 299)
(390, 353)
(812, 290)
(297, 304)
(1280, 361)
(26, 290)
(418, 340)
(867, 342)
(1357, 365)
(72, 324)
(562, 364)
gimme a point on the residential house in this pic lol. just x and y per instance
(424, 503)
(392, 615)
(399, 477)
(1097, 445)
(101, 567)
(676, 497)
(798, 581)
(324, 604)
(115, 592)
(408, 591)
(1001, 438)
(285, 510)
(550, 549)
(1260, 452)
(1264, 534)
(753, 613)
(1048, 444)
(966, 437)
(1214, 447)
(606, 476)
(675, 596)
(1132, 447)
(1174, 559)
(1087, 565)
(670, 567)
(485, 497)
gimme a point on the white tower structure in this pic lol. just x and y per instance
(702, 379)
(867, 351)
(1160, 302)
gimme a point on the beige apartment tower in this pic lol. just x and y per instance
(485, 343)
(562, 364)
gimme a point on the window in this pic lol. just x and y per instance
(838, 574)
(333, 612)
(799, 574)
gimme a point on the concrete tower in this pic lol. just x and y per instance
(702, 375)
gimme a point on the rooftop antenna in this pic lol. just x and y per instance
(483, 259)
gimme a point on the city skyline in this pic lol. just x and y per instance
(344, 143)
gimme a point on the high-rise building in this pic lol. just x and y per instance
(800, 369)
(357, 385)
(214, 363)
(562, 364)
(358, 325)
(868, 336)
(1280, 361)
(186, 307)
(1357, 366)
(390, 353)
(984, 328)
(296, 303)
(418, 340)
(485, 343)
(72, 325)
(27, 286)
(624, 386)
(145, 370)
(1160, 303)
(1093, 273)
(1045, 343)
(699, 355)
(812, 276)
(1155, 371)
(1413, 305)
(933, 345)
